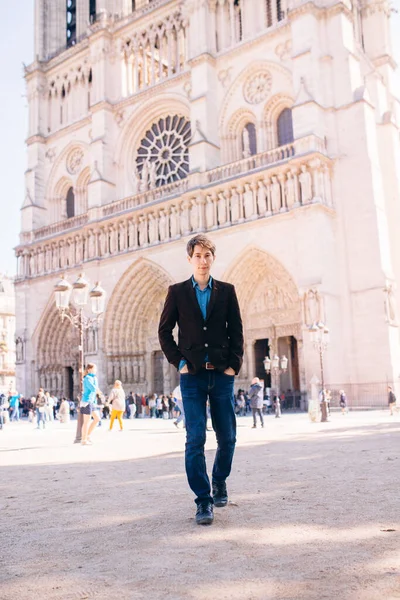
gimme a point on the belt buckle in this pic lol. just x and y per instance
(209, 366)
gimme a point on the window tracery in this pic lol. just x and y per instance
(163, 154)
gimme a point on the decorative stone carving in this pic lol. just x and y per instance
(246, 143)
(313, 309)
(19, 350)
(290, 191)
(275, 195)
(136, 181)
(390, 304)
(165, 144)
(50, 154)
(305, 185)
(235, 208)
(262, 198)
(153, 232)
(184, 218)
(173, 222)
(194, 215)
(221, 209)
(142, 230)
(225, 76)
(248, 201)
(74, 161)
(209, 212)
(153, 174)
(257, 87)
(144, 185)
(162, 226)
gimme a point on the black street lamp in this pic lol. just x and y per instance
(79, 291)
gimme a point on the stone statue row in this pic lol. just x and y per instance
(127, 370)
(263, 197)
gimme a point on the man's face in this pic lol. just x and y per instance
(201, 261)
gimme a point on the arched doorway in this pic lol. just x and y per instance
(271, 311)
(57, 359)
(131, 331)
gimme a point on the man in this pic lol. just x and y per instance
(208, 355)
(391, 400)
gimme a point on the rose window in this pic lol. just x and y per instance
(166, 145)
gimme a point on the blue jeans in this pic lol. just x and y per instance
(40, 418)
(15, 414)
(196, 389)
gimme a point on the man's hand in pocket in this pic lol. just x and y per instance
(184, 370)
(229, 371)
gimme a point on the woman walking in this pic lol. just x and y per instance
(117, 401)
(87, 405)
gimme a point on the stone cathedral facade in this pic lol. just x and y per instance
(271, 125)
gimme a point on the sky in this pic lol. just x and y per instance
(16, 47)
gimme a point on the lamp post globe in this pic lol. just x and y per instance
(97, 298)
(62, 291)
(81, 291)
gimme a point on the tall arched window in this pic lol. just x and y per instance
(71, 23)
(249, 140)
(285, 127)
(70, 201)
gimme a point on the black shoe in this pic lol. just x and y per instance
(205, 513)
(220, 495)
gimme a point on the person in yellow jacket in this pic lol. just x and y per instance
(117, 401)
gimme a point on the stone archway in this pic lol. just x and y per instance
(131, 330)
(57, 356)
(271, 309)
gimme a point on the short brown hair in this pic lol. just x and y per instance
(88, 368)
(200, 240)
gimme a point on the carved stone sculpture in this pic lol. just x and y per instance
(248, 201)
(275, 194)
(305, 185)
(246, 143)
(235, 206)
(261, 198)
(221, 209)
(162, 224)
(290, 191)
(209, 212)
(153, 174)
(143, 230)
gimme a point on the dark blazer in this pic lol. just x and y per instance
(220, 336)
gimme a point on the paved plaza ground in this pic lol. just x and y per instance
(314, 513)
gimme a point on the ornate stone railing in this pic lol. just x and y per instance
(269, 193)
(59, 227)
(162, 192)
(304, 145)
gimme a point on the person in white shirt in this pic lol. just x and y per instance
(117, 401)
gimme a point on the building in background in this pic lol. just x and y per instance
(7, 335)
(271, 125)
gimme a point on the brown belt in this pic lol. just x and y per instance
(208, 366)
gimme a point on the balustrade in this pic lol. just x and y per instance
(261, 194)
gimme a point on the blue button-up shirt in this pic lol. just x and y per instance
(203, 298)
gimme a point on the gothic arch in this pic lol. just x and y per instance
(137, 125)
(266, 290)
(131, 319)
(281, 79)
(74, 159)
(272, 110)
(233, 139)
(56, 348)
